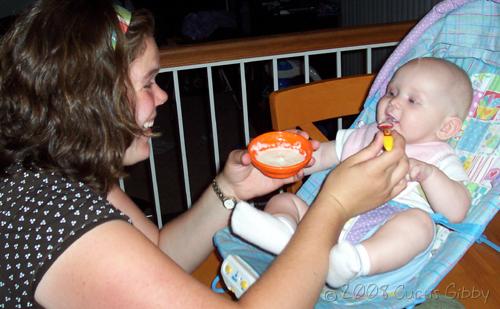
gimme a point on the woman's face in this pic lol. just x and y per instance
(148, 95)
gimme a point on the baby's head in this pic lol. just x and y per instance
(426, 100)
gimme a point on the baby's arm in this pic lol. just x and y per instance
(325, 157)
(445, 195)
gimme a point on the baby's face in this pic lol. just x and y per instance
(416, 103)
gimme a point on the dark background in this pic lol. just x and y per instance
(200, 20)
(230, 18)
(238, 18)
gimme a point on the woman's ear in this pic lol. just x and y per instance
(450, 127)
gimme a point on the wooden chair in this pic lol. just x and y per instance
(301, 106)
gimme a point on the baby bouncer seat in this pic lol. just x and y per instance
(465, 32)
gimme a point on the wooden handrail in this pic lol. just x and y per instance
(175, 56)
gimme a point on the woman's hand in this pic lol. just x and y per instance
(243, 181)
(368, 178)
(314, 143)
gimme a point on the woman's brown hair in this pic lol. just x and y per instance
(64, 104)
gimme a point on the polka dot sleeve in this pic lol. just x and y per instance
(42, 214)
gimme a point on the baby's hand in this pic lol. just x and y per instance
(419, 171)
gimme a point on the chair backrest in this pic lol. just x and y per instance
(301, 106)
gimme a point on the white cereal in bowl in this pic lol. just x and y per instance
(280, 156)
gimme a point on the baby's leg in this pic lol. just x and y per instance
(399, 240)
(265, 230)
(287, 207)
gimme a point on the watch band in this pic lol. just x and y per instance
(227, 201)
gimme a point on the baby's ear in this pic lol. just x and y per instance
(450, 127)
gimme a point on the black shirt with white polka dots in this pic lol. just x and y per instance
(41, 215)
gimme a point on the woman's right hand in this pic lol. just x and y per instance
(368, 178)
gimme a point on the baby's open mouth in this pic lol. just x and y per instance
(391, 120)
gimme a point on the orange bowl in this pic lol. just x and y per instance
(280, 154)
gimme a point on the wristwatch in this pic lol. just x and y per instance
(227, 201)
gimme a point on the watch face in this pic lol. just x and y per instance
(229, 203)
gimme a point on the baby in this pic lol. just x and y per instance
(426, 102)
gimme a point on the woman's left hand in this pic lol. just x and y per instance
(243, 181)
(314, 143)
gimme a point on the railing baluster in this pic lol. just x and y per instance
(275, 74)
(187, 187)
(369, 60)
(338, 61)
(122, 184)
(306, 69)
(155, 184)
(244, 102)
(213, 118)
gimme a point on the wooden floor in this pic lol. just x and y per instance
(475, 280)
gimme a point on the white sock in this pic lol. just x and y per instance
(260, 228)
(365, 260)
(346, 263)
